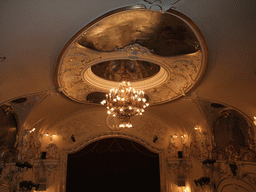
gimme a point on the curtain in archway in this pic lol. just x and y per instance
(113, 164)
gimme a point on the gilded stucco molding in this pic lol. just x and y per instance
(178, 73)
(83, 124)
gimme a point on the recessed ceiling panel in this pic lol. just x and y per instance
(163, 54)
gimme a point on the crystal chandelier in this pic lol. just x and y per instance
(124, 103)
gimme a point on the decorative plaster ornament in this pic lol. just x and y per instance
(163, 54)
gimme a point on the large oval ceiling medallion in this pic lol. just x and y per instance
(163, 54)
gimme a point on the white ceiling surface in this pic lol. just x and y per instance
(32, 34)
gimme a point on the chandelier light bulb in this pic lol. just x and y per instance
(124, 103)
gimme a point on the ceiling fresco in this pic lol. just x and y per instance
(163, 54)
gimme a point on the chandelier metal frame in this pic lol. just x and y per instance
(124, 103)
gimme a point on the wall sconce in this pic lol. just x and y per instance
(197, 127)
(254, 121)
(172, 138)
(32, 130)
(184, 138)
(51, 136)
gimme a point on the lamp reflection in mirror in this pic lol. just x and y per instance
(125, 103)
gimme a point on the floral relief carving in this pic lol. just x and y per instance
(251, 177)
(150, 126)
(172, 147)
(11, 176)
(185, 148)
(52, 151)
(177, 167)
(26, 146)
(172, 167)
(50, 169)
(233, 173)
(78, 124)
(199, 147)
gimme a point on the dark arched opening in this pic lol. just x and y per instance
(113, 164)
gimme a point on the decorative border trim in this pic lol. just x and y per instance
(103, 84)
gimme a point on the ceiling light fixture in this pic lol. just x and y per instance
(125, 103)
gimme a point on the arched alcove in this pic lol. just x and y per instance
(228, 184)
(233, 136)
(113, 164)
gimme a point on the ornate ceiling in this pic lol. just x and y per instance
(57, 62)
(163, 54)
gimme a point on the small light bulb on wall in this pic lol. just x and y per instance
(254, 120)
(32, 130)
(196, 127)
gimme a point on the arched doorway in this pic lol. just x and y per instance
(113, 164)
